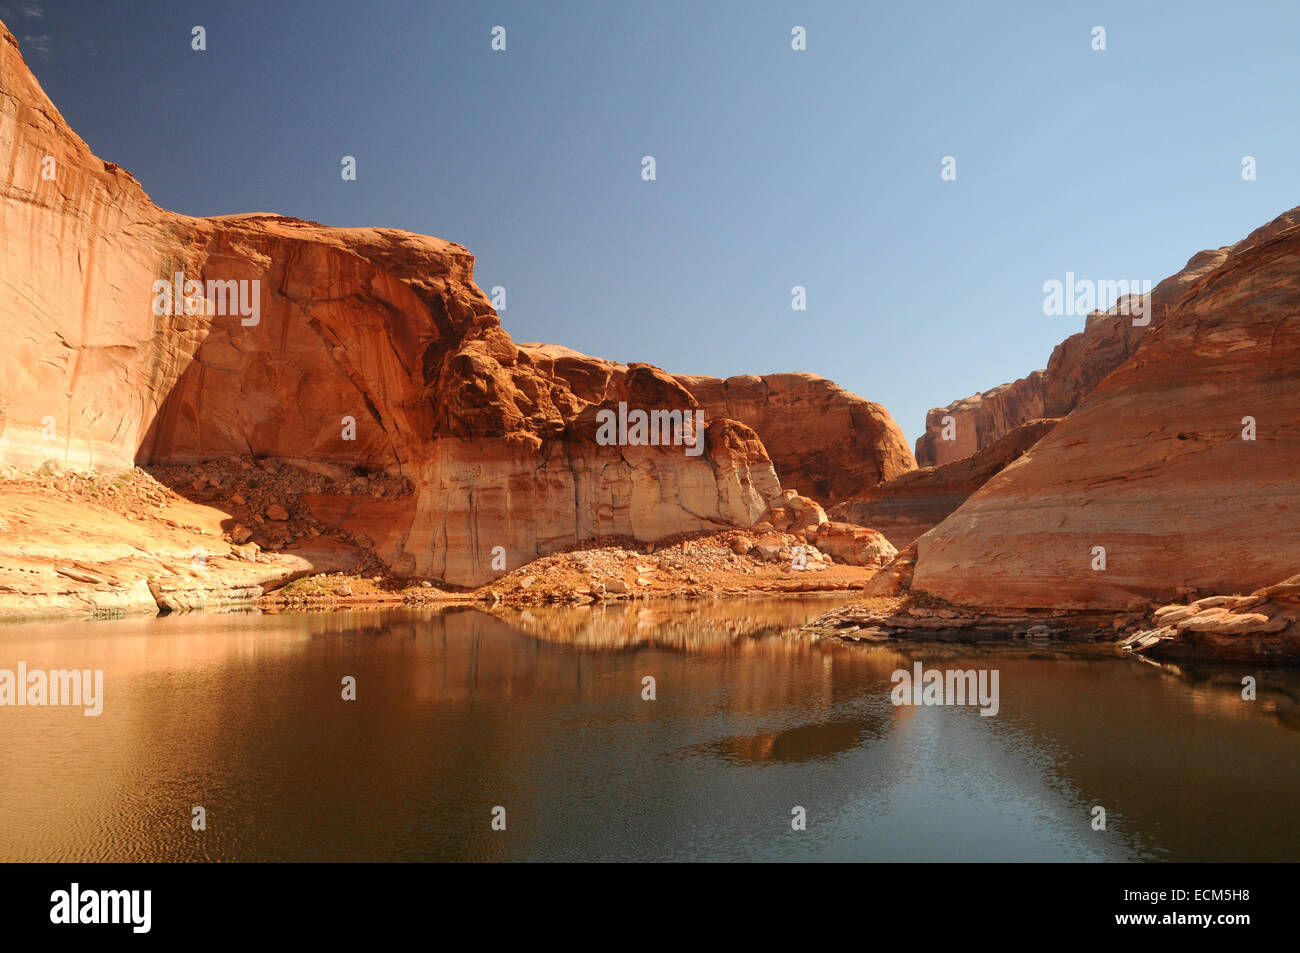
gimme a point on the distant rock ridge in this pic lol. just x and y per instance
(915, 502)
(1077, 365)
(825, 442)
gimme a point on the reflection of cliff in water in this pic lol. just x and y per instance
(459, 710)
(770, 627)
(800, 743)
(1217, 687)
(708, 626)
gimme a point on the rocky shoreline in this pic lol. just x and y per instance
(886, 619)
(239, 533)
(249, 535)
(93, 545)
(1263, 626)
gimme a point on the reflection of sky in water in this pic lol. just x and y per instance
(543, 714)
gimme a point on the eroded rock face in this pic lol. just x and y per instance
(1077, 366)
(1153, 466)
(824, 442)
(912, 504)
(1264, 625)
(975, 422)
(474, 496)
(361, 348)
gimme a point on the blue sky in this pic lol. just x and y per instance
(775, 168)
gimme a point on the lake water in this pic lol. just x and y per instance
(541, 713)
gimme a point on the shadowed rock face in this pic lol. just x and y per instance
(915, 502)
(1152, 464)
(369, 348)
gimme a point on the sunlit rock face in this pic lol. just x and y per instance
(359, 347)
(824, 441)
(1077, 365)
(912, 504)
(1180, 468)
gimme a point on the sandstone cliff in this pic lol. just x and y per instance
(363, 350)
(824, 442)
(1181, 464)
(1077, 365)
(915, 502)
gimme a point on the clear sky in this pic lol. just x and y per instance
(775, 168)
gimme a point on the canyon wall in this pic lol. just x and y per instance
(915, 502)
(825, 442)
(368, 349)
(78, 252)
(1077, 365)
(1180, 467)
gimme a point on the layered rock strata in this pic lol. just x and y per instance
(1176, 473)
(1077, 365)
(1264, 625)
(912, 504)
(138, 336)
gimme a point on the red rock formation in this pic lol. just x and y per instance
(1152, 465)
(366, 348)
(79, 556)
(855, 545)
(824, 441)
(979, 420)
(1078, 364)
(1264, 625)
(907, 506)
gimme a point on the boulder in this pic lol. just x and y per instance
(855, 545)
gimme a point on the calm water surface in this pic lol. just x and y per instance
(541, 712)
